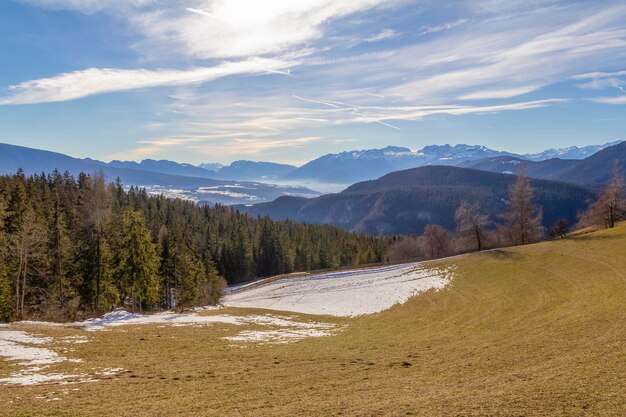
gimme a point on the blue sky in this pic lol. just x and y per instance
(206, 80)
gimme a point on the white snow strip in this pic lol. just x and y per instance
(289, 330)
(124, 318)
(27, 378)
(346, 293)
(278, 336)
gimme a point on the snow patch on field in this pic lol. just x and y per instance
(31, 354)
(279, 336)
(347, 293)
(288, 328)
(14, 346)
(17, 346)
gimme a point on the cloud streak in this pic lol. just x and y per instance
(79, 84)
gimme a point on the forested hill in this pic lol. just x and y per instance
(70, 246)
(406, 201)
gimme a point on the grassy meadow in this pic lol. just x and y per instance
(538, 330)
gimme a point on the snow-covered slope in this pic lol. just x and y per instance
(349, 293)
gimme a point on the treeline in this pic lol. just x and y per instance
(520, 224)
(73, 247)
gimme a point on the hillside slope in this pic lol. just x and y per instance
(537, 330)
(406, 201)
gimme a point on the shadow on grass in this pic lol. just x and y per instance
(502, 254)
(597, 237)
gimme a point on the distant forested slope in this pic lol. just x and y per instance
(406, 201)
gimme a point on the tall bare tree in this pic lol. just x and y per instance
(471, 223)
(26, 244)
(95, 213)
(524, 216)
(436, 241)
(611, 205)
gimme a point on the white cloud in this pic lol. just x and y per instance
(207, 29)
(444, 26)
(506, 93)
(78, 84)
(590, 75)
(383, 35)
(208, 147)
(538, 51)
(611, 100)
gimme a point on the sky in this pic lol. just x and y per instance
(287, 81)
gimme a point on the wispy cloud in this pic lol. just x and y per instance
(444, 26)
(510, 54)
(211, 149)
(383, 35)
(507, 93)
(611, 100)
(78, 84)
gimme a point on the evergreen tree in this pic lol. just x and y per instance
(17, 205)
(138, 262)
(6, 292)
(189, 275)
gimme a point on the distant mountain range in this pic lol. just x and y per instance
(406, 201)
(593, 170)
(170, 178)
(246, 182)
(353, 166)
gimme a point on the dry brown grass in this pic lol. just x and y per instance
(533, 331)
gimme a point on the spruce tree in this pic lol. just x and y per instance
(138, 262)
(6, 292)
(189, 275)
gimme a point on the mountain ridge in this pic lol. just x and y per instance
(406, 201)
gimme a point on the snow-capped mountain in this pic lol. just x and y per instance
(572, 152)
(359, 165)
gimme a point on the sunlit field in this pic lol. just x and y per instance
(534, 330)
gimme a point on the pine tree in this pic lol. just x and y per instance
(138, 263)
(6, 292)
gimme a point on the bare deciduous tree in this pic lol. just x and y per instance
(611, 205)
(524, 218)
(436, 240)
(471, 223)
(26, 243)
